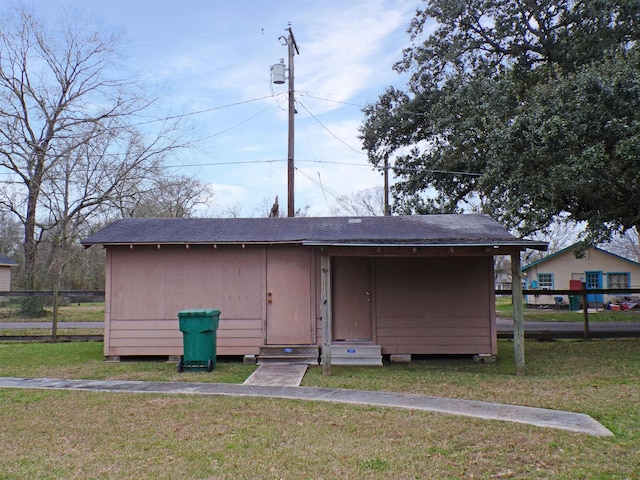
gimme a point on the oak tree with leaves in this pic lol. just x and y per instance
(524, 110)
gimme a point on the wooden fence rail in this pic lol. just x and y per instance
(582, 293)
(51, 293)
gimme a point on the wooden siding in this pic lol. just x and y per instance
(5, 278)
(163, 337)
(149, 286)
(435, 306)
(420, 305)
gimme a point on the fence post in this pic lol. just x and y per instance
(54, 326)
(585, 303)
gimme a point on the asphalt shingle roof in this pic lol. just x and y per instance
(395, 230)
(4, 260)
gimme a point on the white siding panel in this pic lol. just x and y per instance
(5, 279)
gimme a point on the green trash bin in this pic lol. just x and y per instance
(574, 302)
(199, 328)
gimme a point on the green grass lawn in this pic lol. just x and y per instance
(504, 308)
(58, 434)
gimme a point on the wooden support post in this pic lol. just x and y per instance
(585, 303)
(518, 317)
(325, 311)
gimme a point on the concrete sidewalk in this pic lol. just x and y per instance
(574, 422)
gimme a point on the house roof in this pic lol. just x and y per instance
(409, 230)
(573, 247)
(6, 261)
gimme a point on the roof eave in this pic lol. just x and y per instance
(329, 243)
(500, 243)
(184, 243)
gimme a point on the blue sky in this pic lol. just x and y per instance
(216, 56)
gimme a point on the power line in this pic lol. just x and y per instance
(215, 164)
(324, 193)
(282, 160)
(275, 160)
(329, 190)
(330, 132)
(306, 94)
(335, 162)
(197, 112)
(245, 162)
(247, 120)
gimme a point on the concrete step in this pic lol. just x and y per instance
(279, 375)
(288, 354)
(364, 354)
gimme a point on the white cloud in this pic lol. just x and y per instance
(346, 51)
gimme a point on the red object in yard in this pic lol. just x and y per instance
(614, 308)
(575, 284)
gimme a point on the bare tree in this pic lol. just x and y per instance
(368, 202)
(231, 211)
(9, 235)
(560, 234)
(65, 146)
(167, 197)
(627, 244)
(269, 209)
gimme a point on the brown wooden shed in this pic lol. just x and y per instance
(385, 285)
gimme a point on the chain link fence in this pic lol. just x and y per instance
(45, 306)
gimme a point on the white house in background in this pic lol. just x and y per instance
(5, 272)
(594, 267)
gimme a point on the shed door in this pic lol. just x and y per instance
(351, 287)
(289, 319)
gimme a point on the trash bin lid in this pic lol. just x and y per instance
(199, 312)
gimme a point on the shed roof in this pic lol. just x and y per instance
(408, 230)
(6, 261)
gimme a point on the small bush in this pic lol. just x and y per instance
(33, 307)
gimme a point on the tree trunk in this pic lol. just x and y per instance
(30, 242)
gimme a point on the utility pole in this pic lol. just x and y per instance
(292, 45)
(387, 208)
(277, 73)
